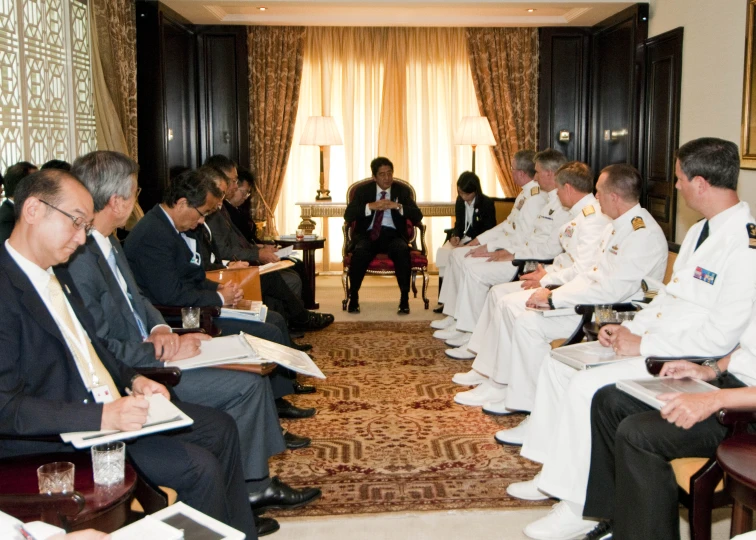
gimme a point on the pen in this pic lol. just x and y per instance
(26, 534)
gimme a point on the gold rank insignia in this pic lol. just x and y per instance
(751, 227)
(535, 190)
(638, 223)
(588, 210)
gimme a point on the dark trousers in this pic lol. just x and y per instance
(202, 463)
(631, 480)
(279, 297)
(365, 250)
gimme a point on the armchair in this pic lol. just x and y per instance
(381, 265)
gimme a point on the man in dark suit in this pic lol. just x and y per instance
(13, 175)
(381, 209)
(53, 379)
(136, 333)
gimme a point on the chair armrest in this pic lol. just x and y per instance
(588, 309)
(521, 262)
(423, 246)
(207, 314)
(50, 507)
(167, 376)
(731, 418)
(184, 331)
(654, 364)
(448, 233)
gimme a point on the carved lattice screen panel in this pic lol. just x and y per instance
(46, 102)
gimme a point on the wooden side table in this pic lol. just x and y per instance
(737, 456)
(307, 247)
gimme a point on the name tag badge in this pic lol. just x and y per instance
(705, 275)
(102, 394)
(196, 259)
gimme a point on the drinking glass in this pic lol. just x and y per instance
(300, 235)
(530, 266)
(108, 462)
(603, 314)
(190, 317)
(56, 477)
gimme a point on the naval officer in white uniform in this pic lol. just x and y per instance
(702, 311)
(526, 208)
(542, 242)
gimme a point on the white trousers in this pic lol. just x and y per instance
(442, 257)
(559, 431)
(516, 343)
(477, 279)
(453, 277)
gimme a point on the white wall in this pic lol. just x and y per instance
(712, 77)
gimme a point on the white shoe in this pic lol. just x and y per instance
(460, 353)
(515, 436)
(497, 408)
(461, 341)
(471, 378)
(440, 324)
(527, 491)
(447, 333)
(480, 395)
(559, 524)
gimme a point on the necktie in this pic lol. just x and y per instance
(114, 267)
(375, 232)
(58, 302)
(704, 234)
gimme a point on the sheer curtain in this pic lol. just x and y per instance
(398, 92)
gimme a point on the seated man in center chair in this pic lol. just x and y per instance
(381, 210)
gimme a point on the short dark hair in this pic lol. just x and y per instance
(624, 180)
(57, 164)
(379, 162)
(715, 160)
(577, 174)
(213, 174)
(523, 161)
(43, 184)
(468, 182)
(220, 162)
(550, 159)
(14, 174)
(105, 173)
(193, 186)
(245, 175)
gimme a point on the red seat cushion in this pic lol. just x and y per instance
(382, 263)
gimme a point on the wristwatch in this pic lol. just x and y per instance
(714, 366)
(550, 301)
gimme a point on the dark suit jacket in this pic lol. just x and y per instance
(365, 194)
(7, 220)
(484, 217)
(41, 391)
(89, 272)
(230, 240)
(160, 260)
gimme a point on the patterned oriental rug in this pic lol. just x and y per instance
(388, 437)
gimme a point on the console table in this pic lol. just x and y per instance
(326, 209)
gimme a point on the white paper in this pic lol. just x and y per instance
(147, 528)
(258, 312)
(561, 312)
(284, 252)
(204, 520)
(161, 416)
(587, 355)
(646, 390)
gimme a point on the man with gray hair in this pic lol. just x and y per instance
(136, 333)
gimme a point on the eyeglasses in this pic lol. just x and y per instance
(78, 222)
(139, 190)
(203, 216)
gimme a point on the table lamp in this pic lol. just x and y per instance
(321, 131)
(474, 131)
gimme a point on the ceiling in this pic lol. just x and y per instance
(393, 13)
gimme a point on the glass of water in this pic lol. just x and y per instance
(190, 317)
(603, 314)
(108, 463)
(56, 477)
(530, 266)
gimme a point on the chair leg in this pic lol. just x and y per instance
(440, 283)
(426, 279)
(345, 284)
(702, 486)
(414, 285)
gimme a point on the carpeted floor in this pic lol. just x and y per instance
(388, 437)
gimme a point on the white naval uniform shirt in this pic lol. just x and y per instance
(707, 304)
(580, 239)
(743, 361)
(627, 254)
(527, 205)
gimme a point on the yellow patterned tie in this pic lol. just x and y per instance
(58, 301)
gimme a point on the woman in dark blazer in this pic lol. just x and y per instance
(475, 214)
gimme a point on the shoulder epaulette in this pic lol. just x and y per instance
(535, 190)
(751, 227)
(588, 210)
(638, 223)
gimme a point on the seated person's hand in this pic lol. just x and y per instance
(620, 339)
(539, 299)
(679, 369)
(142, 386)
(189, 346)
(231, 293)
(385, 204)
(238, 264)
(686, 410)
(501, 255)
(268, 255)
(530, 284)
(126, 413)
(166, 344)
(535, 275)
(480, 251)
(454, 241)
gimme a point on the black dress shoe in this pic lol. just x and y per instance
(303, 388)
(295, 442)
(403, 308)
(354, 305)
(266, 525)
(286, 409)
(602, 531)
(439, 309)
(280, 495)
(312, 321)
(301, 346)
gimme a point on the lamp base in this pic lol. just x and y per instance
(323, 195)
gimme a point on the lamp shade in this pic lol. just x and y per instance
(321, 131)
(475, 131)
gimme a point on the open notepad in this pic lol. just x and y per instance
(245, 349)
(176, 522)
(587, 355)
(647, 390)
(560, 312)
(162, 416)
(247, 310)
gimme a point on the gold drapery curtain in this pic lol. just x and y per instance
(504, 64)
(275, 73)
